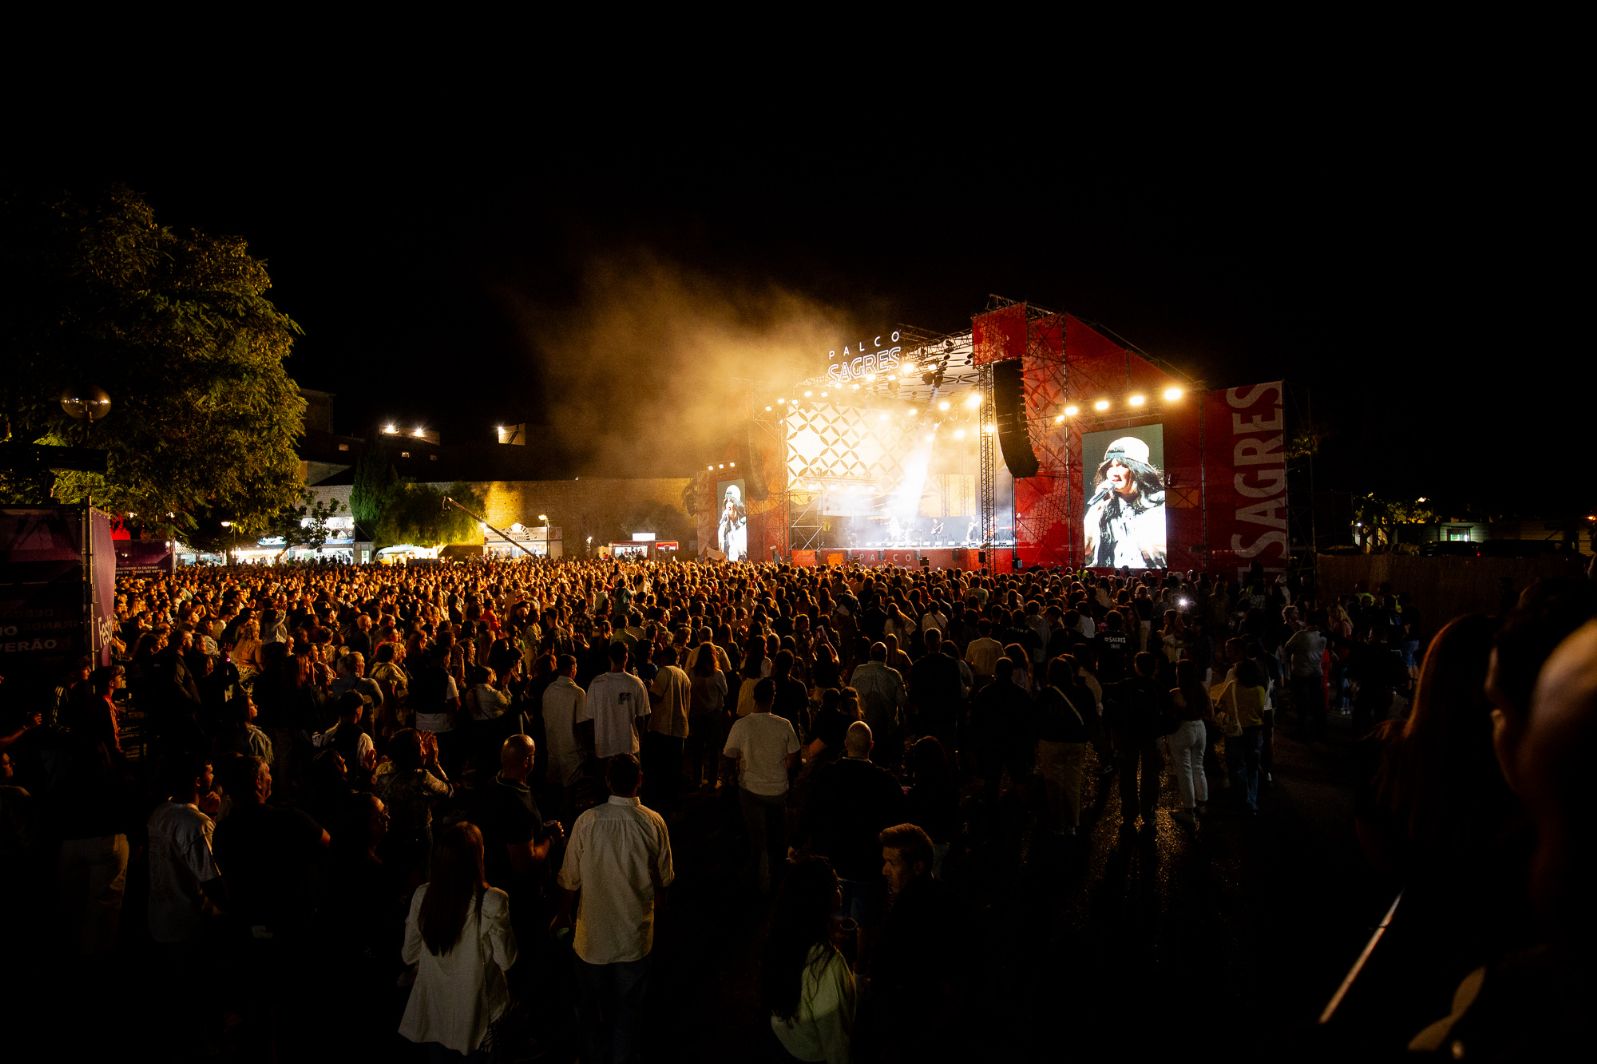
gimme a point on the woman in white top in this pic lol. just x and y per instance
(804, 981)
(458, 934)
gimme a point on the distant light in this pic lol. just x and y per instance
(910, 412)
(544, 518)
(767, 408)
(1059, 419)
(853, 387)
(792, 402)
(731, 465)
(419, 431)
(973, 400)
(905, 370)
(720, 465)
(882, 416)
(516, 527)
(1101, 405)
(959, 434)
(989, 428)
(1173, 394)
(823, 395)
(779, 399)
(929, 437)
(390, 428)
(1137, 400)
(227, 524)
(808, 393)
(943, 405)
(710, 467)
(1071, 410)
(870, 378)
(1420, 499)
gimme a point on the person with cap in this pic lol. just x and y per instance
(1125, 522)
(734, 528)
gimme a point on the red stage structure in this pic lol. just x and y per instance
(1059, 398)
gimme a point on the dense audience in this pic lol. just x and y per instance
(429, 777)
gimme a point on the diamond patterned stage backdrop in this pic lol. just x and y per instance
(844, 443)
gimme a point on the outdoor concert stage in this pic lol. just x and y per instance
(1034, 436)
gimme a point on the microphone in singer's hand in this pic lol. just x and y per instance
(1104, 491)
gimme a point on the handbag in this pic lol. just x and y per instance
(1224, 698)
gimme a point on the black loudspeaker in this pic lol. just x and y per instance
(1014, 439)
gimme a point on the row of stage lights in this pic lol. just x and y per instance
(1134, 402)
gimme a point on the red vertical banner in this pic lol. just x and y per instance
(1245, 474)
(1043, 514)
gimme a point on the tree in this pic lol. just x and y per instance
(1376, 521)
(177, 329)
(373, 490)
(305, 525)
(417, 513)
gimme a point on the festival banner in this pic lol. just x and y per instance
(1245, 475)
(42, 630)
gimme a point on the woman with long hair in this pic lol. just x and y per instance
(1190, 697)
(458, 935)
(707, 717)
(804, 981)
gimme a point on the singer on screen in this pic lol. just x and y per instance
(1124, 526)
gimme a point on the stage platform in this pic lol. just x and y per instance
(907, 557)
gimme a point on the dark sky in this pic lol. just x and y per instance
(1378, 266)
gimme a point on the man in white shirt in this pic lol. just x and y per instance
(564, 704)
(617, 700)
(618, 859)
(671, 697)
(765, 750)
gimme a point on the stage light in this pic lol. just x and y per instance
(959, 434)
(823, 395)
(390, 428)
(928, 437)
(419, 432)
(943, 406)
(720, 465)
(711, 467)
(973, 400)
(1101, 405)
(905, 370)
(910, 412)
(1071, 410)
(808, 393)
(767, 408)
(1173, 394)
(870, 378)
(1136, 401)
(853, 387)
(1059, 419)
(989, 428)
(731, 465)
(882, 416)
(780, 400)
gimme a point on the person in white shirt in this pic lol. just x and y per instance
(617, 862)
(616, 701)
(765, 750)
(564, 704)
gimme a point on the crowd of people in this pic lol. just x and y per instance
(447, 794)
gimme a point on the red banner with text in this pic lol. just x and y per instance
(1245, 467)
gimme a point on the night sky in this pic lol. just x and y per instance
(449, 279)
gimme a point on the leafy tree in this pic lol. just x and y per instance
(417, 513)
(177, 329)
(373, 490)
(1377, 521)
(305, 525)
